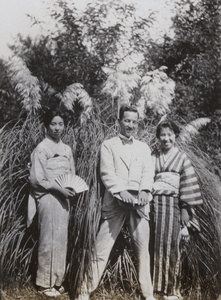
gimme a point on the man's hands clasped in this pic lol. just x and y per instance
(143, 197)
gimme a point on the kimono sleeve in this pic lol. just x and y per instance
(189, 187)
(37, 176)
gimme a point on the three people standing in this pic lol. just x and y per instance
(130, 175)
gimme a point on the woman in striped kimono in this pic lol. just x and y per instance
(175, 192)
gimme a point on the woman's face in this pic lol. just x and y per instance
(56, 128)
(167, 139)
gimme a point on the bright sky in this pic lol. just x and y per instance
(14, 20)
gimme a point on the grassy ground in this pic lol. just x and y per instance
(29, 292)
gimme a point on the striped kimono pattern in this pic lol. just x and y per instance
(175, 187)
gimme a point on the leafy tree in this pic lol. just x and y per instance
(83, 46)
(193, 57)
(9, 107)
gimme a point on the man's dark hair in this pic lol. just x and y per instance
(126, 107)
(167, 124)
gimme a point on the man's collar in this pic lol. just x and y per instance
(126, 140)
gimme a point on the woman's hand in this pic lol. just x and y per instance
(184, 217)
(184, 233)
(65, 192)
(68, 192)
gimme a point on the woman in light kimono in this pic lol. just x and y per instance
(50, 159)
(175, 193)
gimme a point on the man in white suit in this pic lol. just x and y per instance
(126, 170)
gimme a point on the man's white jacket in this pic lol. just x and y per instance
(120, 171)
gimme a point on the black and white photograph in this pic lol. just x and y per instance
(110, 149)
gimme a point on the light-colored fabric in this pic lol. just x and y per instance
(53, 216)
(175, 187)
(167, 181)
(108, 233)
(189, 191)
(123, 167)
(166, 277)
(43, 170)
(121, 172)
(32, 209)
(48, 161)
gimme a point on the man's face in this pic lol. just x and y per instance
(129, 123)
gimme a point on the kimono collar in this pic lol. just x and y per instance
(52, 141)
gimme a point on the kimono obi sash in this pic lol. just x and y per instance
(166, 183)
(56, 166)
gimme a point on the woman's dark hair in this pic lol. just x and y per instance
(124, 108)
(167, 124)
(51, 113)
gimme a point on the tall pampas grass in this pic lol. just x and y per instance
(119, 85)
(77, 100)
(16, 245)
(157, 92)
(25, 84)
(201, 256)
(191, 130)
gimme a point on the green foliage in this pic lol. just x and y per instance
(84, 45)
(209, 140)
(193, 57)
(9, 108)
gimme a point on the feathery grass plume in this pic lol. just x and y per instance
(157, 92)
(77, 100)
(192, 129)
(26, 84)
(120, 85)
